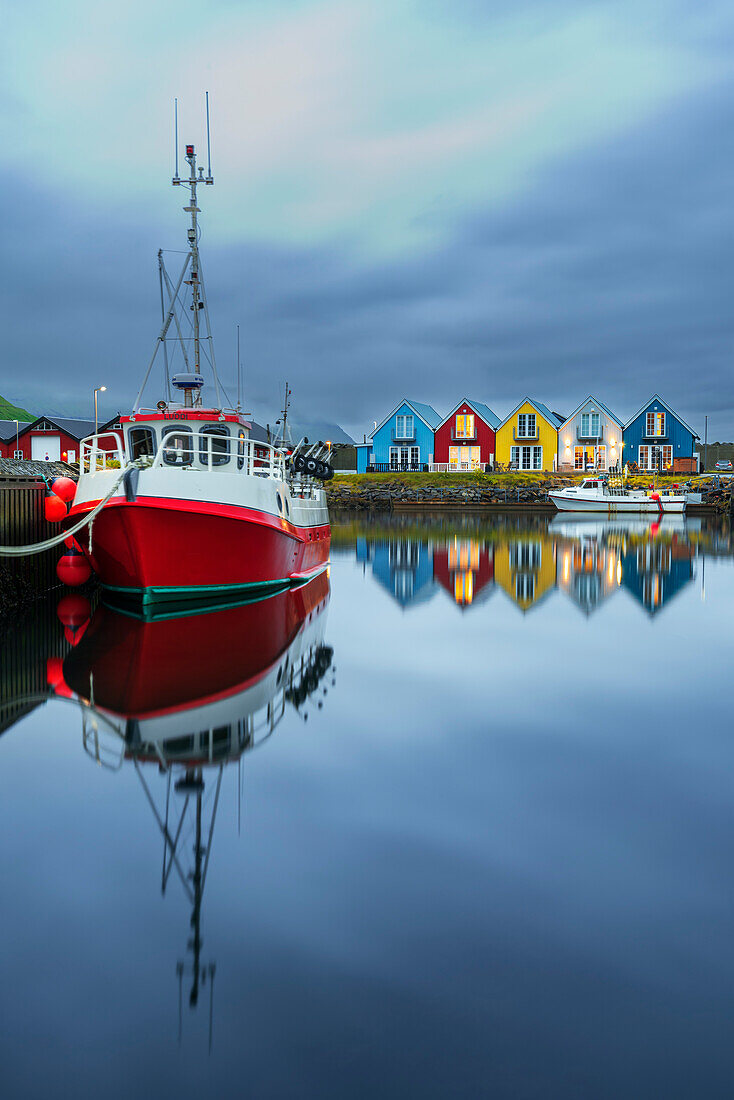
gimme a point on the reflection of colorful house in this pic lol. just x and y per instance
(654, 570)
(403, 441)
(465, 568)
(403, 566)
(528, 437)
(590, 439)
(525, 567)
(589, 570)
(656, 438)
(465, 439)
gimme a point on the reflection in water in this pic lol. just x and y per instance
(178, 699)
(589, 559)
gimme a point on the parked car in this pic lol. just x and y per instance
(724, 465)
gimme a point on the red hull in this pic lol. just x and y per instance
(172, 544)
(136, 666)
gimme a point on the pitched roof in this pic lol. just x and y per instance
(553, 420)
(7, 429)
(601, 405)
(657, 397)
(551, 417)
(74, 426)
(426, 413)
(484, 411)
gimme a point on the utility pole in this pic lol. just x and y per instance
(705, 442)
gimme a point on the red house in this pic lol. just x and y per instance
(464, 440)
(45, 438)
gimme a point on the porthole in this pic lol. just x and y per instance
(280, 502)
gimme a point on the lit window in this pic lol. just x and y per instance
(465, 426)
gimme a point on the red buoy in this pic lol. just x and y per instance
(73, 568)
(55, 677)
(65, 488)
(73, 609)
(54, 671)
(54, 508)
(74, 634)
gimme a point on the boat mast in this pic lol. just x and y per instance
(192, 265)
(193, 210)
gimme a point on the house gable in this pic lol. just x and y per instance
(483, 411)
(604, 408)
(646, 407)
(426, 413)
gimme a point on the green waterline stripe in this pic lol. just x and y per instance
(205, 593)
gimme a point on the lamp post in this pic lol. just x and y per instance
(17, 436)
(100, 389)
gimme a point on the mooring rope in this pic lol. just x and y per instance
(48, 544)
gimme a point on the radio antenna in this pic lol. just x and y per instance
(208, 142)
(239, 373)
(175, 133)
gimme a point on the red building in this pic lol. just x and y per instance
(465, 568)
(464, 440)
(44, 438)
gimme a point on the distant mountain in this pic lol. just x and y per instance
(312, 429)
(319, 429)
(8, 411)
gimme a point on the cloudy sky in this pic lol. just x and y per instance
(429, 198)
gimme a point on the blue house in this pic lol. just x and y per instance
(403, 441)
(656, 436)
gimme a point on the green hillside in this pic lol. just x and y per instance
(13, 412)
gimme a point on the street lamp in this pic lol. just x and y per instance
(100, 389)
(17, 435)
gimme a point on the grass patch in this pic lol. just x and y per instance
(478, 480)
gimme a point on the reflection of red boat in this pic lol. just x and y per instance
(201, 687)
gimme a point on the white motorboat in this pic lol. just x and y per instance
(596, 494)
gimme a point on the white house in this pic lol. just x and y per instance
(591, 438)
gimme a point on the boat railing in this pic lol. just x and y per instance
(207, 450)
(95, 458)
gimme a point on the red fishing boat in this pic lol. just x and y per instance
(197, 508)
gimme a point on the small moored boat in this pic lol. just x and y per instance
(597, 494)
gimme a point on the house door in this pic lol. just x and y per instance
(464, 458)
(46, 446)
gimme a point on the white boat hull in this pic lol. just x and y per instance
(613, 505)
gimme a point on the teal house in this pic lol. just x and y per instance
(402, 441)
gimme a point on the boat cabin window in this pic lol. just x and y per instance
(141, 442)
(589, 484)
(240, 450)
(216, 440)
(178, 449)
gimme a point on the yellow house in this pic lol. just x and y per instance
(525, 568)
(528, 437)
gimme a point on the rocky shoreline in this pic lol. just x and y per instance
(391, 495)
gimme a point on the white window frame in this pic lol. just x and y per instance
(404, 453)
(526, 426)
(18, 454)
(406, 431)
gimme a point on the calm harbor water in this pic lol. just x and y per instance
(455, 821)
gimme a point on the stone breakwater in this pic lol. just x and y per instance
(388, 495)
(385, 496)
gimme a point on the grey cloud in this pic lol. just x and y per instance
(611, 273)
